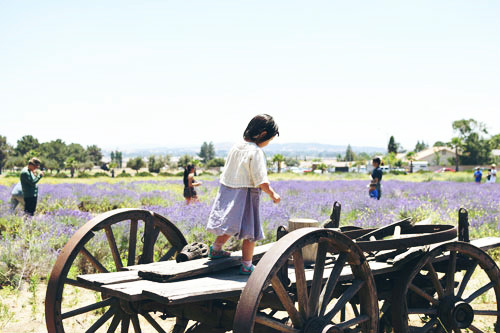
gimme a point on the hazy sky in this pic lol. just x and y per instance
(137, 73)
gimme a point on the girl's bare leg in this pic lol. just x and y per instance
(219, 242)
(248, 247)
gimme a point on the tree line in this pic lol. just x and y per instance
(55, 154)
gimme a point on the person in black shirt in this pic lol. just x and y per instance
(377, 176)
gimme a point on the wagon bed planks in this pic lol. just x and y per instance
(166, 271)
(100, 279)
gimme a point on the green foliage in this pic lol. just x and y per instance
(61, 175)
(349, 154)
(101, 174)
(420, 146)
(184, 161)
(84, 175)
(155, 163)
(136, 163)
(207, 152)
(144, 174)
(439, 144)
(13, 174)
(215, 162)
(392, 146)
(291, 162)
(278, 159)
(5, 151)
(124, 174)
(166, 174)
(25, 144)
(94, 154)
(476, 149)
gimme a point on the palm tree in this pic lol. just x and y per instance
(411, 157)
(455, 144)
(278, 159)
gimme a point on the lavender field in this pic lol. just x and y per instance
(29, 246)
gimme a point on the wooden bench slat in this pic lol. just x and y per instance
(100, 279)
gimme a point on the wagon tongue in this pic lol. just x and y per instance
(166, 271)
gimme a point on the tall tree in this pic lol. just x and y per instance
(184, 161)
(349, 154)
(71, 164)
(77, 151)
(95, 154)
(27, 143)
(119, 158)
(456, 144)
(56, 151)
(392, 147)
(5, 150)
(155, 163)
(136, 164)
(476, 149)
(211, 151)
(421, 146)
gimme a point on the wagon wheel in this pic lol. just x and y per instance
(431, 297)
(310, 305)
(107, 243)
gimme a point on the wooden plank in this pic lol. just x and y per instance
(170, 270)
(100, 279)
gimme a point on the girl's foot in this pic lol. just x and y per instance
(246, 270)
(213, 254)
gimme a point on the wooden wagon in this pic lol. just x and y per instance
(405, 277)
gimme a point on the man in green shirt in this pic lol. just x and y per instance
(29, 180)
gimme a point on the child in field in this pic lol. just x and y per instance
(189, 184)
(235, 211)
(376, 179)
(478, 175)
(372, 192)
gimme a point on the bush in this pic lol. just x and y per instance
(12, 174)
(124, 174)
(166, 174)
(61, 175)
(144, 174)
(101, 174)
(180, 174)
(84, 175)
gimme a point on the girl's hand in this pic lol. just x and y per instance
(276, 197)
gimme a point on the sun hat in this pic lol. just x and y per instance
(493, 165)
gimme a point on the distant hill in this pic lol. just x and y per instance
(222, 148)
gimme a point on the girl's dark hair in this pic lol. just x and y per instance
(259, 124)
(187, 171)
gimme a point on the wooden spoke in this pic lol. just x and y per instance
(97, 265)
(475, 329)
(169, 254)
(317, 282)
(149, 237)
(87, 308)
(153, 322)
(424, 328)
(450, 274)
(486, 313)
(465, 280)
(114, 248)
(105, 317)
(435, 280)
(479, 292)
(273, 323)
(327, 292)
(423, 294)
(114, 323)
(354, 309)
(422, 311)
(125, 324)
(346, 297)
(287, 302)
(132, 242)
(301, 283)
(351, 322)
(135, 323)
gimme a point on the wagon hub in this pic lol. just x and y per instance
(320, 325)
(456, 313)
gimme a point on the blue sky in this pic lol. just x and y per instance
(141, 73)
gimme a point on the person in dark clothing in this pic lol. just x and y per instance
(377, 177)
(189, 184)
(29, 179)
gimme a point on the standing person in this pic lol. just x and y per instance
(29, 179)
(189, 184)
(478, 175)
(235, 211)
(493, 174)
(377, 177)
(16, 197)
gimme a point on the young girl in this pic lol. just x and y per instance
(235, 211)
(190, 183)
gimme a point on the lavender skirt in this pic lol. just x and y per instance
(236, 212)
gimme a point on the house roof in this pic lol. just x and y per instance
(425, 153)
